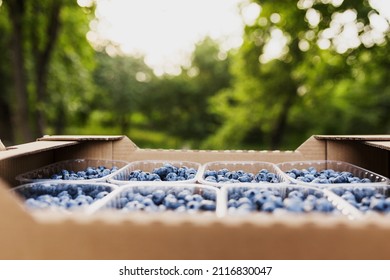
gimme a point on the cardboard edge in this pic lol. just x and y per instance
(378, 137)
(313, 149)
(81, 137)
(33, 148)
(384, 145)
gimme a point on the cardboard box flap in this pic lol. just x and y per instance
(354, 137)
(33, 148)
(80, 138)
(12, 206)
(384, 145)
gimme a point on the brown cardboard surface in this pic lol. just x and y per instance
(2, 147)
(153, 236)
(358, 153)
(80, 138)
(385, 145)
(377, 137)
(142, 236)
(33, 148)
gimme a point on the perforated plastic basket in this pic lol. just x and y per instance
(46, 172)
(157, 193)
(339, 166)
(234, 197)
(63, 196)
(252, 167)
(368, 200)
(122, 176)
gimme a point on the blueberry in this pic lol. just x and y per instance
(211, 173)
(171, 168)
(244, 200)
(231, 175)
(134, 205)
(122, 202)
(348, 196)
(170, 201)
(325, 176)
(148, 202)
(80, 201)
(250, 193)
(378, 204)
(260, 199)
(180, 209)
(222, 171)
(71, 204)
(245, 179)
(207, 205)
(323, 205)
(295, 194)
(244, 208)
(293, 204)
(161, 172)
(309, 205)
(197, 197)
(292, 175)
(209, 195)
(268, 206)
(338, 190)
(63, 196)
(174, 199)
(101, 195)
(193, 205)
(232, 203)
(182, 194)
(211, 179)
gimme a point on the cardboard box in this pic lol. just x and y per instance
(25, 235)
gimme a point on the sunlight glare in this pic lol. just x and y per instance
(166, 31)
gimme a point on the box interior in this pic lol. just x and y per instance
(169, 236)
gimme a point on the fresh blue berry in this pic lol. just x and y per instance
(365, 198)
(239, 176)
(67, 196)
(325, 176)
(155, 199)
(271, 200)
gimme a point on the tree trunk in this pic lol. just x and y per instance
(281, 123)
(42, 62)
(20, 112)
(6, 133)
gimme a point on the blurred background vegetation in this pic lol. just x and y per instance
(323, 81)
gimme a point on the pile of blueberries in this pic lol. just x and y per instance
(225, 176)
(87, 174)
(365, 198)
(167, 172)
(274, 200)
(325, 176)
(62, 196)
(161, 199)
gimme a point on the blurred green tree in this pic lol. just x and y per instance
(178, 105)
(35, 31)
(6, 132)
(329, 76)
(122, 81)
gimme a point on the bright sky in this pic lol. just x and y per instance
(166, 31)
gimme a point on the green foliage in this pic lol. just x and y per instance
(183, 111)
(70, 85)
(122, 82)
(306, 90)
(244, 99)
